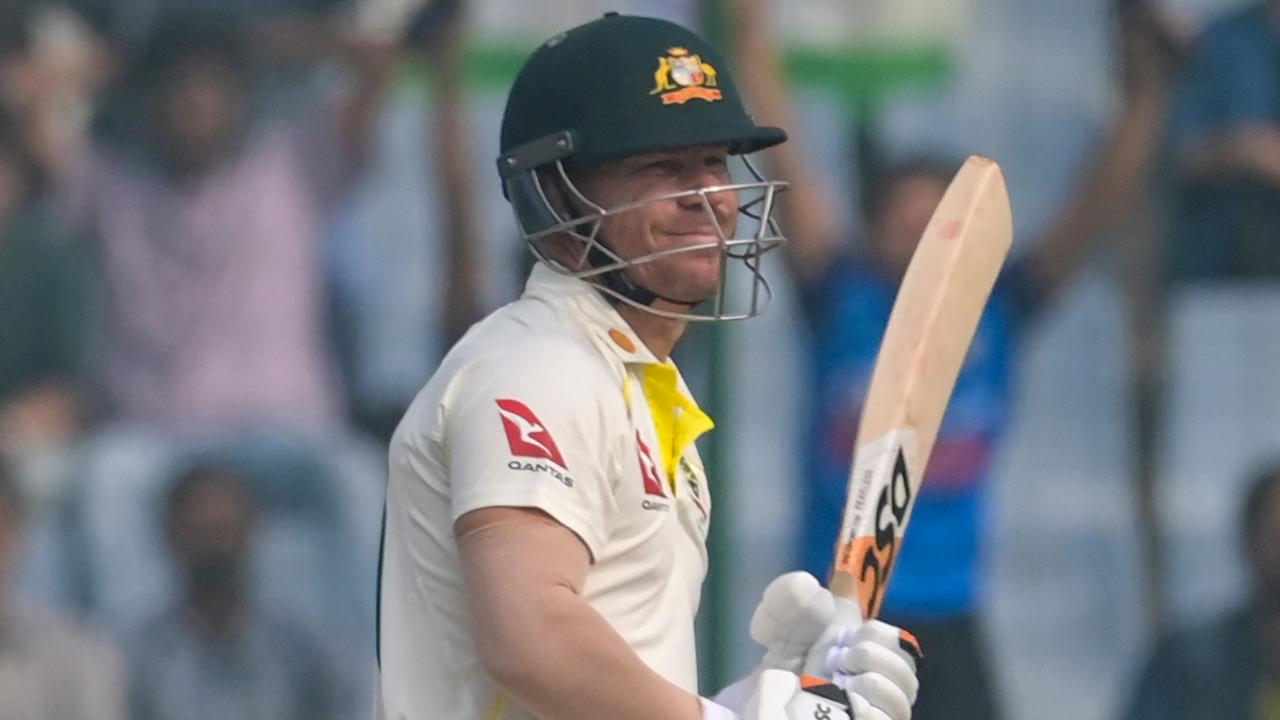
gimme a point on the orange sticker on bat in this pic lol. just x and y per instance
(869, 555)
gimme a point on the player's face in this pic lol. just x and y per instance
(210, 535)
(200, 109)
(902, 220)
(668, 224)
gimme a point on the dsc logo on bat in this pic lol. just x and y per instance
(871, 557)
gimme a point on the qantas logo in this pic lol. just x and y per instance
(526, 435)
(648, 469)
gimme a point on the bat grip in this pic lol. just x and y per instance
(844, 585)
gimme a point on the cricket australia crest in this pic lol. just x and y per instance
(682, 76)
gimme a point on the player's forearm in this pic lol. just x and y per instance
(373, 66)
(1109, 188)
(543, 643)
(574, 665)
(462, 295)
(1249, 150)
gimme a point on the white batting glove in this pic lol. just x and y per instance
(781, 695)
(806, 630)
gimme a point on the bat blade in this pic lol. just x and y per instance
(933, 321)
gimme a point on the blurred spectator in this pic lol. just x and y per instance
(216, 653)
(49, 670)
(438, 31)
(937, 586)
(1227, 150)
(132, 22)
(42, 319)
(1228, 667)
(405, 257)
(208, 229)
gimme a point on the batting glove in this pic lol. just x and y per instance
(807, 630)
(781, 695)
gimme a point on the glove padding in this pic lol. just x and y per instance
(806, 629)
(781, 695)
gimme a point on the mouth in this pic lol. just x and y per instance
(695, 237)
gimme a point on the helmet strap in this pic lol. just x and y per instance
(615, 280)
(618, 282)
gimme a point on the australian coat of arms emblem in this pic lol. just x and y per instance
(682, 76)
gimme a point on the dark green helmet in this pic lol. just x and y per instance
(624, 85)
(612, 88)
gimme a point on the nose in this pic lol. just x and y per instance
(724, 203)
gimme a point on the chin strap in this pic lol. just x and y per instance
(617, 281)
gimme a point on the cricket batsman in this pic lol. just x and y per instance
(547, 512)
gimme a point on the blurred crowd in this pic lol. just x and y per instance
(192, 458)
(197, 485)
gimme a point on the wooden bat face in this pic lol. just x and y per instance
(930, 328)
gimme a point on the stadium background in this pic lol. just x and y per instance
(1029, 83)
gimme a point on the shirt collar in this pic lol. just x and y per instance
(597, 317)
(677, 419)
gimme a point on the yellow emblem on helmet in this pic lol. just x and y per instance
(682, 76)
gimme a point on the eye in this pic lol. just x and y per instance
(664, 166)
(719, 165)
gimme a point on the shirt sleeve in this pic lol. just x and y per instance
(531, 428)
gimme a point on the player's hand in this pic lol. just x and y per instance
(781, 695)
(806, 629)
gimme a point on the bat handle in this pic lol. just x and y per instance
(844, 584)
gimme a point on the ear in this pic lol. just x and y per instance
(565, 248)
(557, 194)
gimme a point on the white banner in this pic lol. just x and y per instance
(850, 23)
(539, 20)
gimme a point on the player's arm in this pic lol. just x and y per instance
(1114, 179)
(812, 221)
(536, 635)
(542, 643)
(444, 44)
(1251, 149)
(527, 537)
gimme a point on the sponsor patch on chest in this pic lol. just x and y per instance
(655, 491)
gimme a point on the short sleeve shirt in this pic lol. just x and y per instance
(552, 403)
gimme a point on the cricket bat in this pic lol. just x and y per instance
(930, 328)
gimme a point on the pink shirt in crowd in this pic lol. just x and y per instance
(215, 312)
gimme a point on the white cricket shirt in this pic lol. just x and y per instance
(551, 402)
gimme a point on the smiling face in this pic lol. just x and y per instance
(670, 224)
